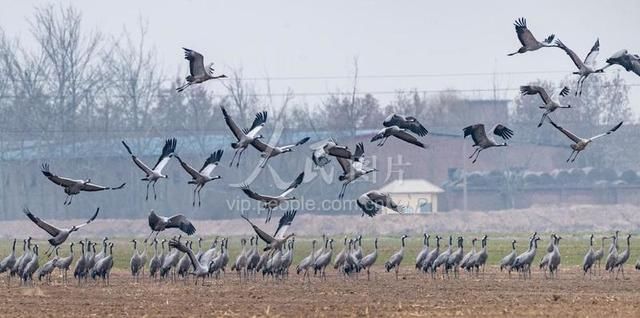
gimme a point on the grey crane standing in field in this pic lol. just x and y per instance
(479, 259)
(353, 169)
(323, 260)
(550, 104)
(552, 242)
(159, 223)
(155, 262)
(184, 264)
(268, 151)
(370, 259)
(64, 263)
(630, 62)
(424, 251)
(244, 136)
(455, 258)
(409, 123)
(72, 186)
(599, 254)
(200, 270)
(47, 268)
(397, 132)
(586, 67)
(351, 261)
(198, 73)
(201, 177)
(59, 235)
(170, 262)
(13, 270)
(427, 264)
(612, 256)
(396, 259)
(307, 262)
(136, 263)
(271, 202)
(357, 247)
(341, 256)
(614, 242)
(507, 261)
(31, 267)
(7, 263)
(443, 257)
(278, 239)
(286, 259)
(103, 267)
(240, 264)
(155, 174)
(581, 143)
(528, 41)
(104, 251)
(80, 269)
(623, 258)
(467, 257)
(481, 141)
(26, 258)
(553, 259)
(523, 262)
(589, 258)
(371, 202)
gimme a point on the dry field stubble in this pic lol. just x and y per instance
(412, 295)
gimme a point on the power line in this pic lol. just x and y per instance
(364, 92)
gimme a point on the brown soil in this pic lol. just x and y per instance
(412, 295)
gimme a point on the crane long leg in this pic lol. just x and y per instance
(194, 195)
(576, 156)
(474, 153)
(240, 156)
(155, 197)
(199, 199)
(147, 197)
(234, 158)
(477, 155)
(571, 155)
(544, 116)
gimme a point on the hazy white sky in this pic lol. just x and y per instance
(321, 38)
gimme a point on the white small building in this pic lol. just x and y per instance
(417, 195)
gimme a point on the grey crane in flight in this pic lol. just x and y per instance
(198, 72)
(73, 186)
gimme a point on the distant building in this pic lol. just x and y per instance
(417, 195)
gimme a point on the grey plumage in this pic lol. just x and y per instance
(396, 259)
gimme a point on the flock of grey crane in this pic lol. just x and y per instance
(183, 260)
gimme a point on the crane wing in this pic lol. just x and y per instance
(211, 162)
(61, 181)
(180, 221)
(95, 215)
(608, 131)
(258, 123)
(137, 161)
(340, 152)
(532, 90)
(296, 182)
(593, 54)
(285, 222)
(52, 230)
(196, 62)
(404, 135)
(262, 234)
(367, 205)
(192, 172)
(574, 57)
(252, 194)
(476, 132)
(524, 35)
(261, 146)
(167, 151)
(231, 124)
(567, 133)
(502, 131)
(91, 187)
